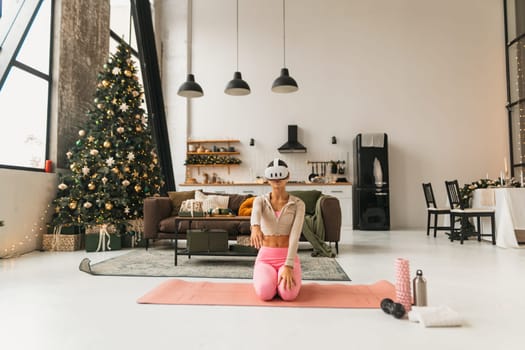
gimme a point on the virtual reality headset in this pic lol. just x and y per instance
(276, 171)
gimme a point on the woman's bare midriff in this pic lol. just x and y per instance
(279, 241)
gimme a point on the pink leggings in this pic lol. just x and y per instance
(266, 272)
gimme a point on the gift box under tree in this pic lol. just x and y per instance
(63, 238)
(102, 237)
(133, 235)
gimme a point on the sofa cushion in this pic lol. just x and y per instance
(177, 197)
(212, 201)
(309, 198)
(246, 207)
(235, 200)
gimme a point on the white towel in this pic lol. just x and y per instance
(373, 140)
(378, 173)
(435, 316)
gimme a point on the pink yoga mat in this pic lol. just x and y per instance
(314, 295)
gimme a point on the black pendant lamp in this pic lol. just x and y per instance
(284, 82)
(190, 88)
(237, 86)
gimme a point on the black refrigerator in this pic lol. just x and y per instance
(370, 187)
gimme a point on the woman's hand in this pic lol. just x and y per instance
(256, 237)
(287, 278)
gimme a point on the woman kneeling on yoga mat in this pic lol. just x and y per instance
(276, 225)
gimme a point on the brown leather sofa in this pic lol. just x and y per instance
(160, 224)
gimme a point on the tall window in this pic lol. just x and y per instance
(25, 88)
(515, 52)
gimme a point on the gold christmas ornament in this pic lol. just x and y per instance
(137, 188)
(138, 128)
(105, 83)
(125, 183)
(73, 205)
(72, 167)
(100, 106)
(115, 170)
(108, 206)
(120, 129)
(88, 205)
(107, 144)
(128, 73)
(127, 169)
(81, 133)
(91, 186)
(145, 176)
(137, 116)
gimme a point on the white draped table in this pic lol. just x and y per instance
(509, 205)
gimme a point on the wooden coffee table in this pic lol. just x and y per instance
(228, 252)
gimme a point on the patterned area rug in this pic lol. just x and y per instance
(158, 262)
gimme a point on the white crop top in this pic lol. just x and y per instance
(288, 223)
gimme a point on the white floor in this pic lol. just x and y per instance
(47, 303)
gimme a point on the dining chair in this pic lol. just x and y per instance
(433, 211)
(457, 210)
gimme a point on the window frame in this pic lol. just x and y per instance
(13, 62)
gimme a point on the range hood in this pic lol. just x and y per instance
(292, 145)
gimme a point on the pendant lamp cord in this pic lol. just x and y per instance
(284, 34)
(237, 36)
(189, 35)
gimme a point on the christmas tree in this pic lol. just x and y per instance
(113, 164)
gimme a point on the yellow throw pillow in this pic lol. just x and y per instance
(246, 207)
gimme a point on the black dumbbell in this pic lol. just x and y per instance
(395, 309)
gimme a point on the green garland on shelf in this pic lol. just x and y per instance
(211, 159)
